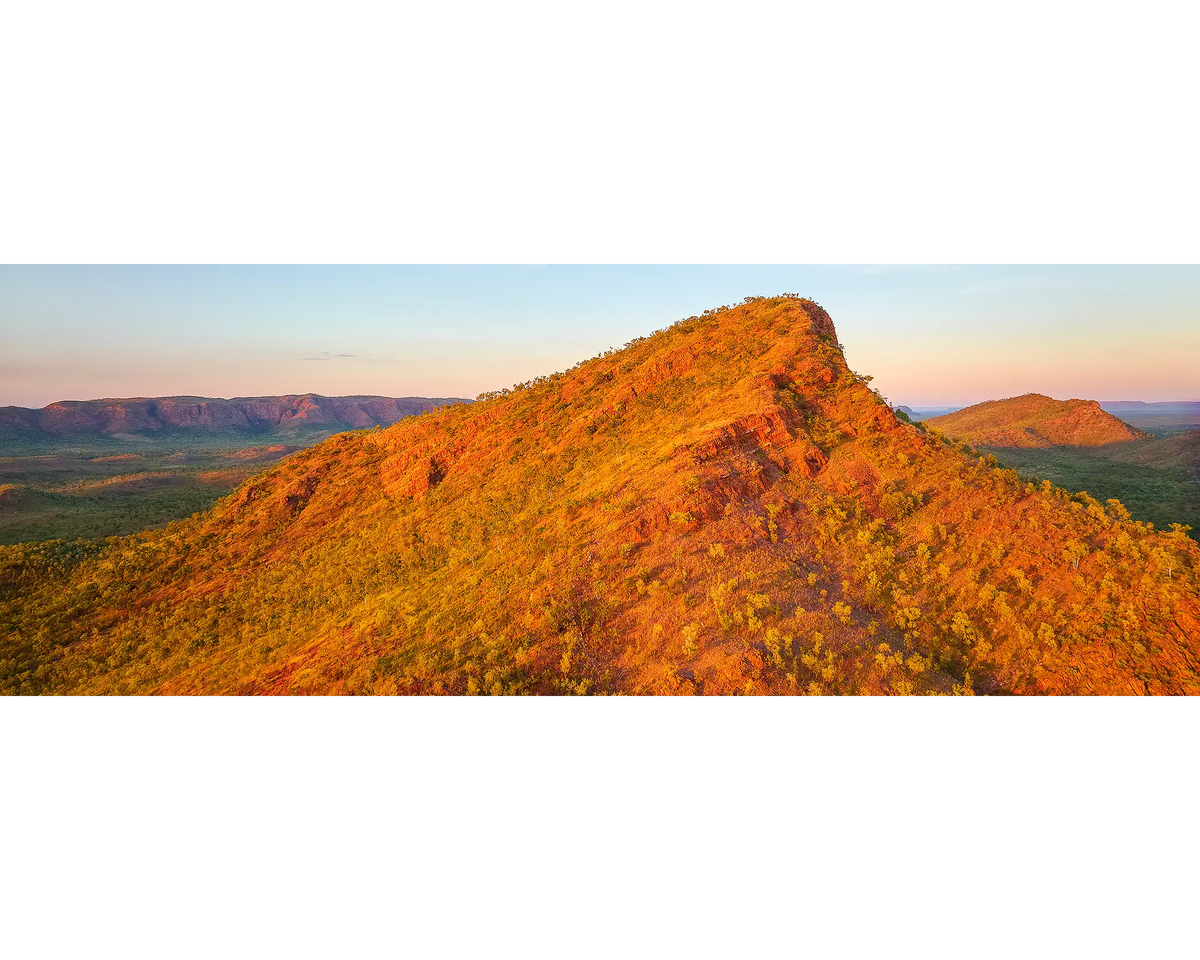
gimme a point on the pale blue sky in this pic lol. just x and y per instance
(929, 335)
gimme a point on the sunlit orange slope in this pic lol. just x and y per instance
(1036, 421)
(722, 507)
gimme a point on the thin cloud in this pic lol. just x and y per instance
(326, 355)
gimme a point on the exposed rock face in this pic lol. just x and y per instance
(822, 324)
(1034, 420)
(249, 415)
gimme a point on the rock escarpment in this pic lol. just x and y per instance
(251, 416)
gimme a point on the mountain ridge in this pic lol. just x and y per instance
(721, 507)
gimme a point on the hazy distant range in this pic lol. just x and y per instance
(1149, 416)
(297, 417)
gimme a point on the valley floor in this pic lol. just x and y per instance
(1159, 492)
(88, 494)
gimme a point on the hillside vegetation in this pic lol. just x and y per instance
(721, 507)
(1157, 479)
(1036, 421)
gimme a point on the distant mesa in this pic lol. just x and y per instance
(1121, 406)
(1034, 420)
(143, 417)
(925, 413)
(1156, 416)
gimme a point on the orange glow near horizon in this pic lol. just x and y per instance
(932, 336)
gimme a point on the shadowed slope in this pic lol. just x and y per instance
(723, 507)
(1181, 451)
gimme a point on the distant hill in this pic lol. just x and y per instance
(723, 506)
(250, 417)
(1034, 420)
